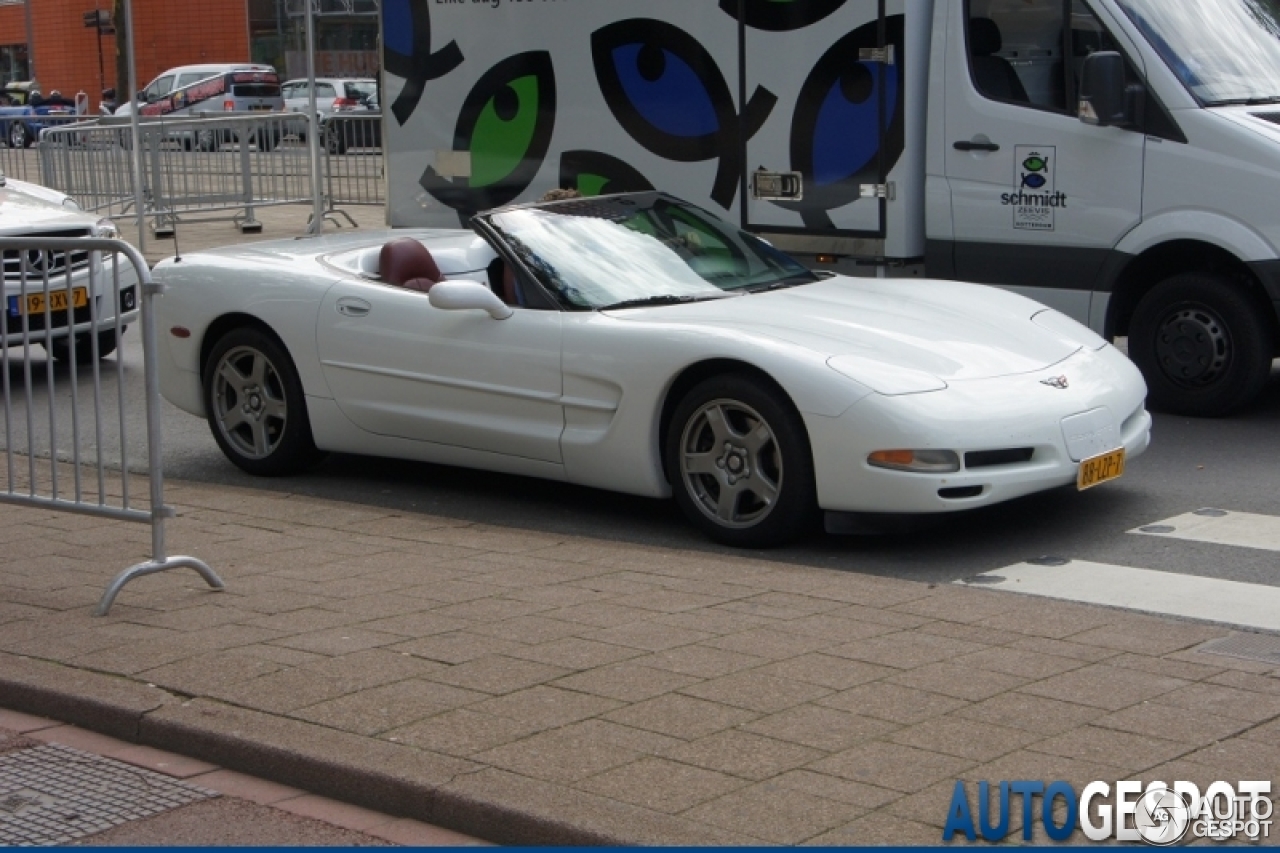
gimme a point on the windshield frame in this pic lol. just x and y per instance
(1182, 35)
(644, 268)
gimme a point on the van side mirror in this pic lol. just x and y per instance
(1105, 99)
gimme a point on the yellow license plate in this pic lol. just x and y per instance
(1100, 469)
(57, 300)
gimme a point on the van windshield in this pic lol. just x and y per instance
(1223, 51)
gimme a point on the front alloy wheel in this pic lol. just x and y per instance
(739, 460)
(255, 405)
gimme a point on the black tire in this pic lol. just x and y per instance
(265, 139)
(19, 136)
(60, 348)
(335, 141)
(206, 141)
(255, 405)
(714, 444)
(1203, 345)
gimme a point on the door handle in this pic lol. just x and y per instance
(348, 307)
(977, 146)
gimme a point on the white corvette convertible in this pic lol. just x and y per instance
(637, 343)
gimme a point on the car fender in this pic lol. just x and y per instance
(1203, 226)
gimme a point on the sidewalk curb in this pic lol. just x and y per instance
(153, 717)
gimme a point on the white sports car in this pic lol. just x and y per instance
(639, 344)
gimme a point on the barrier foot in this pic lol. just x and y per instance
(150, 568)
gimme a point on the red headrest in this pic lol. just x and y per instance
(405, 262)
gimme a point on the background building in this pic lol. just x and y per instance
(53, 36)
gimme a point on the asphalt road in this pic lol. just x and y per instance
(1231, 464)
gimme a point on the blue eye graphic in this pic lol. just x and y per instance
(780, 15)
(505, 123)
(666, 91)
(839, 125)
(1034, 181)
(593, 173)
(406, 42)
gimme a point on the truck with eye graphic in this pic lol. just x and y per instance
(1114, 159)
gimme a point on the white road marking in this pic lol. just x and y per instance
(1242, 529)
(1164, 593)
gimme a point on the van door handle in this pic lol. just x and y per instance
(977, 146)
(348, 307)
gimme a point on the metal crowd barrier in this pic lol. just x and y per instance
(64, 420)
(212, 166)
(18, 135)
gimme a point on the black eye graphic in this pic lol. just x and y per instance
(505, 123)
(781, 15)
(666, 91)
(836, 132)
(592, 173)
(406, 42)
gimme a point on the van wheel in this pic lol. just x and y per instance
(739, 461)
(335, 141)
(19, 136)
(206, 141)
(1202, 344)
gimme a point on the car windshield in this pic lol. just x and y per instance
(1223, 51)
(637, 249)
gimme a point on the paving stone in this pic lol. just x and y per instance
(599, 614)
(743, 754)
(1240, 759)
(627, 682)
(964, 738)
(1185, 670)
(891, 765)
(1227, 701)
(1148, 636)
(1106, 687)
(528, 630)
(962, 605)
(572, 653)
(1064, 648)
(277, 692)
(662, 785)
(498, 674)
(821, 728)
(680, 716)
(1018, 662)
(454, 647)
(834, 788)
(892, 702)
(774, 813)
(1031, 713)
(380, 709)
(769, 643)
(546, 706)
(879, 830)
(782, 605)
(1253, 682)
(757, 691)
(828, 671)
(1188, 726)
(716, 621)
(959, 681)
(905, 650)
(338, 641)
(462, 732)
(647, 636)
(371, 668)
(1054, 620)
(700, 661)
(1111, 746)
(558, 756)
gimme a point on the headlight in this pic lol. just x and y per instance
(916, 461)
(107, 229)
(1066, 328)
(71, 204)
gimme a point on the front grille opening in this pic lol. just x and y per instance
(996, 458)
(960, 493)
(35, 264)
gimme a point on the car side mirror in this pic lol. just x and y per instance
(1105, 98)
(468, 296)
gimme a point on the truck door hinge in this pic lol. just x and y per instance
(887, 191)
(884, 55)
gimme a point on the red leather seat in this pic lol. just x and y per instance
(406, 263)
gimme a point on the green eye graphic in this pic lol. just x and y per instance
(1035, 164)
(505, 124)
(593, 173)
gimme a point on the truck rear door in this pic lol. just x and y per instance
(837, 127)
(1038, 199)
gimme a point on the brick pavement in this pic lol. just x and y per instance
(529, 687)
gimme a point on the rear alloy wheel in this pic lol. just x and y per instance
(60, 348)
(255, 405)
(739, 461)
(19, 136)
(1203, 346)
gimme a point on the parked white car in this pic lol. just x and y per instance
(637, 343)
(42, 288)
(332, 94)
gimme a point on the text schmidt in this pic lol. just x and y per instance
(1026, 199)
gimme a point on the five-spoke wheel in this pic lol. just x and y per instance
(255, 404)
(739, 461)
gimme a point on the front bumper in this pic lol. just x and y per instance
(1016, 413)
(98, 315)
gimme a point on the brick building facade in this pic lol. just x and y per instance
(168, 33)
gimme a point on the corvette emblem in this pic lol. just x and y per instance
(1059, 382)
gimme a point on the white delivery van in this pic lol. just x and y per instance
(1116, 159)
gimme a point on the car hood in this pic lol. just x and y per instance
(947, 330)
(25, 208)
